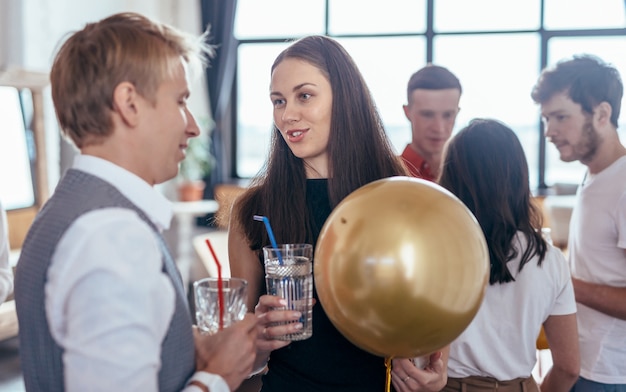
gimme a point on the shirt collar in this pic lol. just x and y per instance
(153, 203)
(417, 165)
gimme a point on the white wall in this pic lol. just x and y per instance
(11, 43)
(31, 31)
(46, 22)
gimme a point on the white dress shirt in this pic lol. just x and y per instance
(6, 273)
(108, 303)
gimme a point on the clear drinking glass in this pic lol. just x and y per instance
(214, 311)
(289, 274)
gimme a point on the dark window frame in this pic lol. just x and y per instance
(545, 35)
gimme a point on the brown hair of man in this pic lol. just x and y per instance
(123, 47)
(587, 80)
(432, 77)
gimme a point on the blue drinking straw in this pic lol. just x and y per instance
(270, 233)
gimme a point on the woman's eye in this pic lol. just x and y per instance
(305, 96)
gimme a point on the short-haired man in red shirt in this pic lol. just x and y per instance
(433, 95)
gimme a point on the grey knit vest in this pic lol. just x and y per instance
(41, 357)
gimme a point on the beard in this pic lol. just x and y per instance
(587, 148)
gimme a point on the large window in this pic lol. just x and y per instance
(496, 48)
(17, 189)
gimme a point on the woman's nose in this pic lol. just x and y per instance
(290, 113)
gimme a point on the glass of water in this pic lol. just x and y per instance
(289, 274)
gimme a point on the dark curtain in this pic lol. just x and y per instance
(219, 15)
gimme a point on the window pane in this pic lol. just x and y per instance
(16, 190)
(584, 14)
(609, 49)
(497, 73)
(486, 15)
(387, 65)
(376, 17)
(254, 108)
(279, 18)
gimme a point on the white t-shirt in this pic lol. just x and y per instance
(500, 341)
(597, 244)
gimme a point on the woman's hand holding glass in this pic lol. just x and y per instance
(273, 323)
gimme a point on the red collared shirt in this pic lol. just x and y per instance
(417, 165)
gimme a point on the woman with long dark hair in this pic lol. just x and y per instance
(328, 140)
(529, 283)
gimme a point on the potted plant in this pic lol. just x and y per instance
(195, 168)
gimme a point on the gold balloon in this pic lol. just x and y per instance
(401, 267)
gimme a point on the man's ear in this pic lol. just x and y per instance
(125, 103)
(603, 112)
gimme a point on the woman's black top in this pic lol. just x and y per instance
(326, 361)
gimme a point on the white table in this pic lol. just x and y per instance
(185, 213)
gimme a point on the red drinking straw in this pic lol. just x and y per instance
(220, 288)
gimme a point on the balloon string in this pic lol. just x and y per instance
(388, 378)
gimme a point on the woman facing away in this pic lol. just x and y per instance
(529, 283)
(328, 140)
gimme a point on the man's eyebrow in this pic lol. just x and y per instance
(553, 112)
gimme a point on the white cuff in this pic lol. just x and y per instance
(214, 382)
